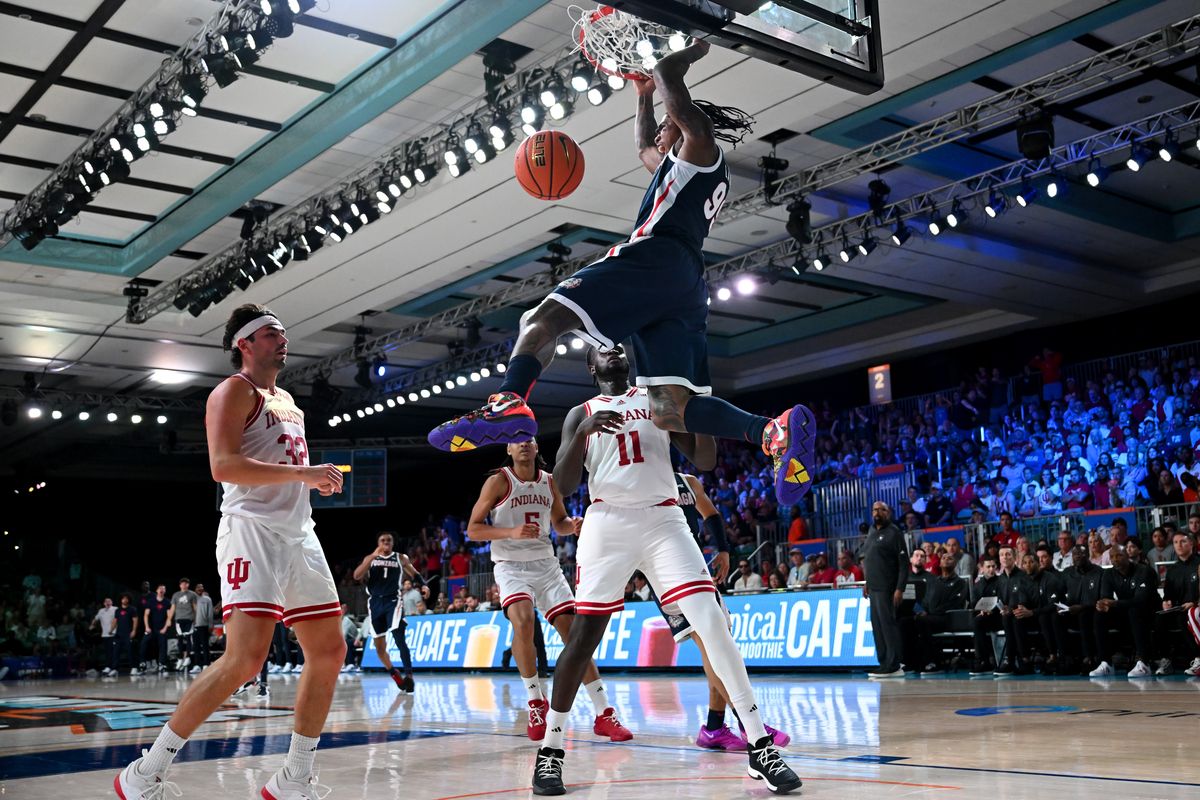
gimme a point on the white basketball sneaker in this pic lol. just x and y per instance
(132, 785)
(1141, 670)
(1194, 668)
(282, 788)
(1103, 671)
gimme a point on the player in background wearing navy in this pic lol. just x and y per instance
(651, 291)
(383, 569)
(702, 517)
(271, 562)
(517, 507)
(634, 523)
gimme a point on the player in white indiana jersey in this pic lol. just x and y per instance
(635, 523)
(271, 563)
(523, 506)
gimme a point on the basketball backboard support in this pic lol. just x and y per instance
(836, 41)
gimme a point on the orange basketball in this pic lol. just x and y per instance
(549, 165)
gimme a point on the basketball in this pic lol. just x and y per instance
(549, 165)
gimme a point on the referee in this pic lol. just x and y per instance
(885, 568)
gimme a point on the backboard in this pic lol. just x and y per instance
(836, 41)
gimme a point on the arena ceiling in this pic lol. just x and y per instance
(358, 79)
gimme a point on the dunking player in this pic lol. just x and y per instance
(523, 504)
(703, 516)
(271, 563)
(383, 569)
(634, 523)
(651, 290)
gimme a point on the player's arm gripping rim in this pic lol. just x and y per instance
(568, 465)
(478, 529)
(714, 525)
(699, 145)
(229, 406)
(645, 126)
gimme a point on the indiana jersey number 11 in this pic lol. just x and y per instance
(635, 444)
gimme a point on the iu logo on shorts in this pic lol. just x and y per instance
(237, 572)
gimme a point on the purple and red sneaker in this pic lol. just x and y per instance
(789, 440)
(780, 738)
(505, 419)
(720, 739)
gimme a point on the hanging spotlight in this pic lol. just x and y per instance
(379, 366)
(676, 42)
(746, 285)
(957, 215)
(724, 293)
(996, 203)
(485, 153)
(821, 259)
(581, 77)
(136, 419)
(56, 414)
(901, 234)
(454, 153)
(1052, 186)
(553, 91)
(936, 223)
(412, 397)
(192, 90)
(1097, 172)
(867, 245)
(1138, 156)
(597, 94)
(561, 349)
(531, 112)
(223, 66)
(34, 412)
(500, 130)
(474, 138)
(84, 416)
(111, 416)
(487, 373)
(458, 168)
(847, 253)
(501, 367)
(799, 222)
(475, 377)
(425, 394)
(615, 82)
(461, 380)
(644, 48)
(1169, 151)
(877, 200)
(561, 109)
(1027, 195)
(425, 172)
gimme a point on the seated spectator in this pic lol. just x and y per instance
(775, 582)
(944, 592)
(1007, 535)
(1133, 548)
(747, 579)
(912, 522)
(1083, 590)
(1012, 590)
(1162, 550)
(800, 569)
(1181, 589)
(1050, 590)
(1165, 491)
(1078, 492)
(1030, 505)
(848, 571)
(641, 589)
(1063, 558)
(1128, 592)
(964, 562)
(1102, 489)
(938, 509)
(1098, 552)
(766, 567)
(822, 573)
(1002, 501)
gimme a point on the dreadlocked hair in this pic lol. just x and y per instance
(730, 124)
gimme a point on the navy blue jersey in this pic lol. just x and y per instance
(383, 579)
(681, 203)
(158, 611)
(126, 615)
(687, 502)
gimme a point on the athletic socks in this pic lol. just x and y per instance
(533, 685)
(522, 373)
(556, 729)
(715, 720)
(301, 755)
(598, 696)
(715, 417)
(161, 753)
(709, 621)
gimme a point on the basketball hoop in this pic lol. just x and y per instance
(616, 43)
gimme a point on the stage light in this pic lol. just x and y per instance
(390, 402)
(676, 42)
(598, 94)
(425, 172)
(1026, 196)
(644, 48)
(84, 416)
(333, 421)
(847, 253)
(561, 349)
(222, 66)
(485, 153)
(369, 411)
(192, 90)
(724, 293)
(879, 192)
(553, 91)
(996, 203)
(957, 215)
(820, 261)
(56, 414)
(1138, 156)
(161, 419)
(484, 372)
(412, 397)
(581, 78)
(615, 82)
(136, 419)
(111, 416)
(576, 344)
(400, 400)
(867, 245)
(475, 377)
(425, 393)
(473, 139)
(649, 63)
(454, 153)
(360, 413)
(1097, 172)
(379, 407)
(799, 222)
(746, 285)
(500, 130)
(561, 109)
(935, 224)
(901, 234)
(501, 368)
(531, 112)
(461, 380)
(379, 366)
(1169, 151)
(345, 417)
(34, 412)
(1052, 187)
(458, 168)
(437, 388)
(449, 383)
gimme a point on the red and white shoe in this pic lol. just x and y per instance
(789, 440)
(131, 785)
(505, 419)
(283, 788)
(607, 725)
(537, 719)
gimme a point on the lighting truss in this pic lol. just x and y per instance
(100, 400)
(1095, 72)
(219, 267)
(178, 74)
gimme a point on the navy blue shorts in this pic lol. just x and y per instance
(652, 293)
(386, 614)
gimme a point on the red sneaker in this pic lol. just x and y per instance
(398, 678)
(607, 725)
(789, 440)
(505, 419)
(537, 719)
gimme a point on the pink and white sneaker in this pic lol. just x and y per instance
(281, 787)
(780, 738)
(132, 785)
(720, 739)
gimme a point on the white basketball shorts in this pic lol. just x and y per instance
(615, 542)
(540, 581)
(264, 574)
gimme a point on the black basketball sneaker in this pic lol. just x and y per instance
(768, 766)
(547, 771)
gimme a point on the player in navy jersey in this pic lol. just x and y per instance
(383, 569)
(651, 290)
(703, 518)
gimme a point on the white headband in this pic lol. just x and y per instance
(253, 325)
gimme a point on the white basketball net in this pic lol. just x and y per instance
(617, 43)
